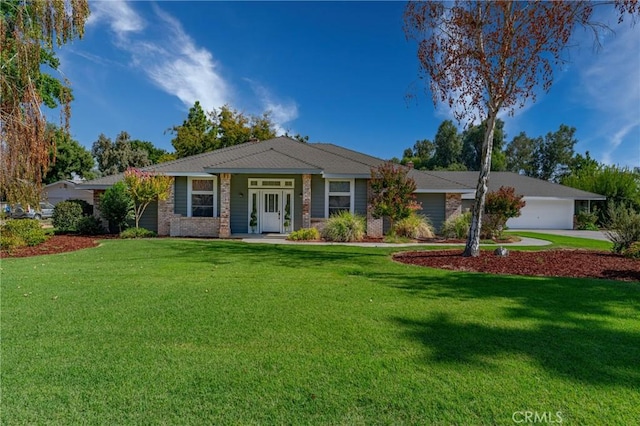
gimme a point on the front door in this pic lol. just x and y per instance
(271, 211)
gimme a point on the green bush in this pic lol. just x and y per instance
(623, 227)
(137, 233)
(66, 216)
(9, 241)
(90, 225)
(23, 232)
(304, 234)
(87, 209)
(457, 226)
(414, 226)
(587, 221)
(344, 227)
(116, 206)
(633, 251)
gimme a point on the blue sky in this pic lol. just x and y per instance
(338, 72)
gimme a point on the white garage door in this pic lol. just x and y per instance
(544, 214)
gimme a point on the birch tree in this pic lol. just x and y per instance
(484, 57)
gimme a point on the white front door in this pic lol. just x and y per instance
(271, 211)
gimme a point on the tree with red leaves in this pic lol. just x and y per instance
(483, 57)
(392, 192)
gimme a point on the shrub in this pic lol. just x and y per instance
(457, 226)
(66, 216)
(587, 221)
(23, 232)
(633, 251)
(304, 234)
(392, 193)
(87, 209)
(414, 226)
(137, 233)
(344, 227)
(116, 206)
(10, 241)
(623, 227)
(500, 206)
(90, 225)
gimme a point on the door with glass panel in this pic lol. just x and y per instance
(271, 211)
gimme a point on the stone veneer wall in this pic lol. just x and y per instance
(166, 212)
(453, 205)
(306, 201)
(97, 193)
(225, 205)
(181, 226)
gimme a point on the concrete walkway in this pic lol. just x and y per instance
(592, 235)
(280, 239)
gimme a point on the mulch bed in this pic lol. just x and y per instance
(548, 263)
(55, 244)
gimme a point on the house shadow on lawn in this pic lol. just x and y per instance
(579, 329)
(280, 255)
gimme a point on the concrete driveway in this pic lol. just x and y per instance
(593, 235)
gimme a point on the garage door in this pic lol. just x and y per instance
(544, 214)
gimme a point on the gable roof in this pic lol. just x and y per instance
(274, 156)
(524, 185)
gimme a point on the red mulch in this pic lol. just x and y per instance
(548, 263)
(55, 244)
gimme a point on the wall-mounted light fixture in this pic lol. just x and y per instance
(241, 195)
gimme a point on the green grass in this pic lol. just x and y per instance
(167, 331)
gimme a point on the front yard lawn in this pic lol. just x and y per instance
(170, 331)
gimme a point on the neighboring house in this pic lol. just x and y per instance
(63, 190)
(277, 186)
(548, 205)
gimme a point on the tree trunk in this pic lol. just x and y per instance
(473, 241)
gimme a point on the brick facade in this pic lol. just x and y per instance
(453, 205)
(306, 201)
(225, 205)
(166, 212)
(181, 226)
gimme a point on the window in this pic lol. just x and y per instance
(202, 200)
(339, 196)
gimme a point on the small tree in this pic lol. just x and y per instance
(500, 206)
(116, 205)
(145, 187)
(392, 193)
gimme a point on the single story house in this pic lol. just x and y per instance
(63, 190)
(548, 205)
(277, 186)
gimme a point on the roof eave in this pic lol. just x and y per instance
(270, 171)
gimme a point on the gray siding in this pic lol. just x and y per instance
(317, 196)
(180, 196)
(433, 206)
(360, 197)
(239, 204)
(149, 219)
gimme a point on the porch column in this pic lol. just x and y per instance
(374, 226)
(453, 205)
(225, 205)
(306, 201)
(165, 211)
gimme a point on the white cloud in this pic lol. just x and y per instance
(282, 112)
(122, 19)
(610, 85)
(165, 53)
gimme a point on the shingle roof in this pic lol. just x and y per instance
(524, 185)
(277, 155)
